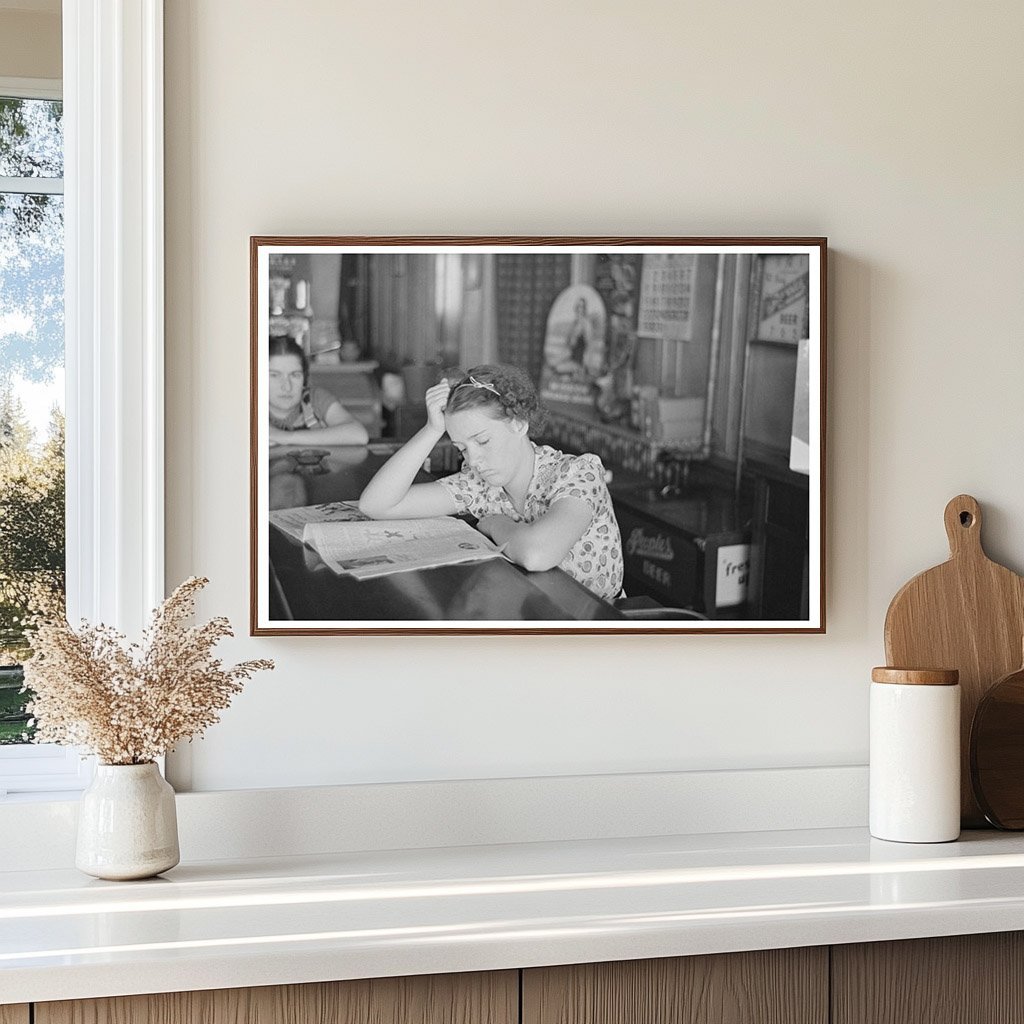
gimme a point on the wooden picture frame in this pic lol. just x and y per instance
(694, 368)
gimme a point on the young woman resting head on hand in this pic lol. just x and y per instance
(543, 507)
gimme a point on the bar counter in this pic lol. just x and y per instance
(303, 589)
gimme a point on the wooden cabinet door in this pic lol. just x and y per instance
(480, 998)
(14, 1014)
(960, 979)
(778, 986)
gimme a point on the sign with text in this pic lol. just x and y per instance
(732, 575)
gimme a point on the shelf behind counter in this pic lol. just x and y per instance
(685, 550)
(689, 540)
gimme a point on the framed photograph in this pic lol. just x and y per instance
(537, 435)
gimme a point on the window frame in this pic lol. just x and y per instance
(112, 90)
(38, 767)
(31, 89)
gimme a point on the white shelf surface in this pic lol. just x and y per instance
(232, 923)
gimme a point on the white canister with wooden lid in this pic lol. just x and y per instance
(915, 755)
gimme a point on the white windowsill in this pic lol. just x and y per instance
(39, 797)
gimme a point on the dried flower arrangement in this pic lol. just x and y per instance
(130, 704)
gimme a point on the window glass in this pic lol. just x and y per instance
(31, 386)
(31, 138)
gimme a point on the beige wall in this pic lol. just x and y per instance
(894, 129)
(29, 45)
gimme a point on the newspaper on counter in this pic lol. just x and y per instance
(293, 521)
(380, 547)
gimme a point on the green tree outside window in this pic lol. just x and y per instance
(31, 351)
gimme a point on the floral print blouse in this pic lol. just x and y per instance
(596, 558)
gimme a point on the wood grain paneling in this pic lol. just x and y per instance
(780, 986)
(14, 1014)
(962, 979)
(482, 998)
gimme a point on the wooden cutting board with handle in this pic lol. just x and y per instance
(967, 614)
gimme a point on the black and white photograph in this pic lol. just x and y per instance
(538, 435)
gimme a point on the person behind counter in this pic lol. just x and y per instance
(544, 507)
(300, 414)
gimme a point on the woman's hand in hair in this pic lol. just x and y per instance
(437, 399)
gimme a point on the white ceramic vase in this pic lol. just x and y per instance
(127, 825)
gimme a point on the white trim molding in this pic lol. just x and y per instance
(31, 88)
(113, 111)
(257, 823)
(32, 186)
